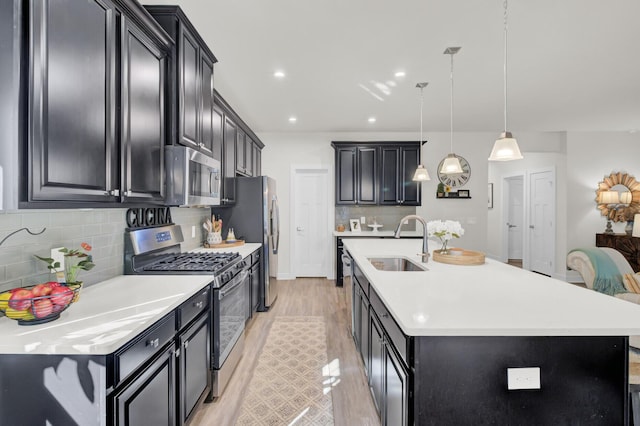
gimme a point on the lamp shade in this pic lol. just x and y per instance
(451, 165)
(609, 197)
(421, 174)
(505, 149)
(636, 226)
(625, 197)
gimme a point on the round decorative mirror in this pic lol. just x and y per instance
(618, 197)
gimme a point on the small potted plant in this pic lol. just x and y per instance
(440, 190)
(75, 260)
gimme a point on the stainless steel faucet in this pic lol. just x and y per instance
(425, 239)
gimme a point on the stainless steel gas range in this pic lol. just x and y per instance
(157, 251)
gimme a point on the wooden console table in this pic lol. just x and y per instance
(627, 245)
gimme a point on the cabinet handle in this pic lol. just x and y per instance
(177, 353)
(385, 315)
(186, 344)
(199, 304)
(114, 192)
(128, 193)
(153, 343)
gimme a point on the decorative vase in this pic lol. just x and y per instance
(214, 238)
(629, 228)
(444, 249)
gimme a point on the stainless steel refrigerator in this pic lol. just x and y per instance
(255, 219)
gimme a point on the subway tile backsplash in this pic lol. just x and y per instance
(103, 229)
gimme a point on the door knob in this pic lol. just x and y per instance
(532, 227)
(300, 228)
(511, 226)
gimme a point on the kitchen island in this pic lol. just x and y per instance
(487, 344)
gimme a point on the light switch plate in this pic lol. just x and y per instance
(363, 220)
(523, 378)
(193, 231)
(57, 256)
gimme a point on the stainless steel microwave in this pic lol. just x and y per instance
(193, 178)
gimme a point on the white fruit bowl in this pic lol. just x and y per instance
(51, 299)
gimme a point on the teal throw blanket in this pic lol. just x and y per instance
(607, 279)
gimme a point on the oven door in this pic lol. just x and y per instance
(230, 302)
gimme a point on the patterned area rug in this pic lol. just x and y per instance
(289, 386)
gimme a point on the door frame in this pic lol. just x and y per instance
(295, 169)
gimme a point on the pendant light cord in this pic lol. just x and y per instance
(505, 66)
(421, 105)
(451, 103)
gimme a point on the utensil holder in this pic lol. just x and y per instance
(214, 238)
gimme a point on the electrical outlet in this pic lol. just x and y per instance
(57, 256)
(193, 231)
(363, 220)
(523, 378)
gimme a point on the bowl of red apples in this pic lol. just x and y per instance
(38, 304)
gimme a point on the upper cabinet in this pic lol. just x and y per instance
(72, 102)
(191, 83)
(398, 163)
(376, 173)
(95, 107)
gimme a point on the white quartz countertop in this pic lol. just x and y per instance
(494, 299)
(244, 250)
(106, 316)
(376, 234)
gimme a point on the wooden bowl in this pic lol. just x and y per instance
(458, 256)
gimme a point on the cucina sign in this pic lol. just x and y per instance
(145, 217)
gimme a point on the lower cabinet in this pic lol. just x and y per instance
(255, 281)
(194, 359)
(387, 372)
(149, 399)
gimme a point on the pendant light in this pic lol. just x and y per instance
(506, 147)
(451, 164)
(421, 173)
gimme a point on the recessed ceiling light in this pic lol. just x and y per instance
(292, 119)
(400, 74)
(279, 74)
(371, 120)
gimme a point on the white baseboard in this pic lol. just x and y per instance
(285, 276)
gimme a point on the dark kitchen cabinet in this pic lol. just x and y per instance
(356, 179)
(397, 166)
(150, 398)
(244, 154)
(257, 160)
(360, 311)
(229, 163)
(72, 148)
(194, 360)
(143, 76)
(376, 173)
(191, 95)
(94, 97)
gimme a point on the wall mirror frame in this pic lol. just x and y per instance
(619, 212)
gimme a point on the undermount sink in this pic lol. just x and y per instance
(396, 264)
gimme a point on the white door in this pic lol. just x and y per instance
(542, 221)
(515, 216)
(310, 223)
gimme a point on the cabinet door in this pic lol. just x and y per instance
(240, 139)
(248, 155)
(410, 193)
(396, 390)
(207, 114)
(143, 71)
(150, 398)
(389, 175)
(229, 164)
(195, 361)
(356, 314)
(72, 101)
(367, 177)
(255, 287)
(364, 331)
(346, 180)
(217, 124)
(257, 158)
(189, 79)
(376, 375)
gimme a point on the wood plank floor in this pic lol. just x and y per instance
(352, 403)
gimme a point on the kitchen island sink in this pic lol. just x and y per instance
(396, 264)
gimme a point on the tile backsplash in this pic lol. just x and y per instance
(388, 216)
(103, 229)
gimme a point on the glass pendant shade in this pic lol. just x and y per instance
(451, 165)
(505, 149)
(421, 174)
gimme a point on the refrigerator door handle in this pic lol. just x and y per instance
(275, 225)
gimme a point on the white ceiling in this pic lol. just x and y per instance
(573, 64)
